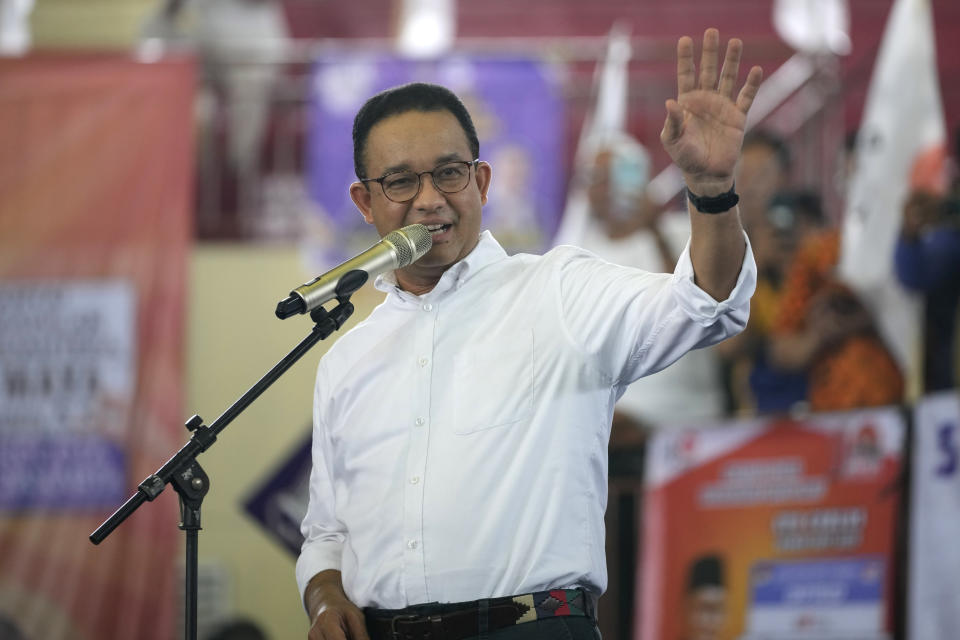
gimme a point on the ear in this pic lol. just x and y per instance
(484, 174)
(361, 197)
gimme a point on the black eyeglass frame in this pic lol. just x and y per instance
(469, 163)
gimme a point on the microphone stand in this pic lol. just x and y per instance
(187, 476)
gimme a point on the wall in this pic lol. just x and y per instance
(233, 339)
(89, 24)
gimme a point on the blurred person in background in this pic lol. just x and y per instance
(239, 629)
(625, 227)
(756, 385)
(514, 364)
(9, 630)
(822, 329)
(927, 260)
(762, 172)
(816, 327)
(243, 45)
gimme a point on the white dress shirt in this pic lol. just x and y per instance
(460, 437)
(690, 390)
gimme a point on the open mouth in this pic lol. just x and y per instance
(437, 229)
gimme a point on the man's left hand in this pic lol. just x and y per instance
(704, 128)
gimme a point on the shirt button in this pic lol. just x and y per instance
(428, 307)
(414, 479)
(419, 422)
(423, 362)
(412, 544)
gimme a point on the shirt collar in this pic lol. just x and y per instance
(487, 252)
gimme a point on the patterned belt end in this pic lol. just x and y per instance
(550, 604)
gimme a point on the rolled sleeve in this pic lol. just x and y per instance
(631, 323)
(702, 308)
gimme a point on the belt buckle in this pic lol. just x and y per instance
(403, 617)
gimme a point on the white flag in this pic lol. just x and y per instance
(813, 26)
(903, 119)
(606, 120)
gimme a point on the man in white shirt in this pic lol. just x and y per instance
(459, 453)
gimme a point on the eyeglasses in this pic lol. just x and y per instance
(403, 186)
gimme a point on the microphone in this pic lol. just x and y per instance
(397, 249)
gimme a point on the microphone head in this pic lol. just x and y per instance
(411, 243)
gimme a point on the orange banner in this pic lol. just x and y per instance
(96, 170)
(780, 530)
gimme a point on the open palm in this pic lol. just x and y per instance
(704, 128)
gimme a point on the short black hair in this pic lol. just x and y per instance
(238, 629)
(706, 571)
(765, 138)
(416, 96)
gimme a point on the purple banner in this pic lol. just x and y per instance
(61, 472)
(517, 108)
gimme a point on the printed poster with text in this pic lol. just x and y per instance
(776, 530)
(935, 519)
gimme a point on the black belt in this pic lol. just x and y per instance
(465, 619)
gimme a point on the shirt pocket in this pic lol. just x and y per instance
(493, 383)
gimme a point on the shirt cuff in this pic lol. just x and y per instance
(315, 557)
(699, 305)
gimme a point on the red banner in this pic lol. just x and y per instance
(96, 166)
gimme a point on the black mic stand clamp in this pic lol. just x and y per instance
(189, 479)
(191, 484)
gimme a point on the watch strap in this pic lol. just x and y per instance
(714, 204)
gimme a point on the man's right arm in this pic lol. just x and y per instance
(332, 615)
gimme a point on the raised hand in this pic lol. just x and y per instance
(704, 128)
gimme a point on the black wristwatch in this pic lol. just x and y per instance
(714, 204)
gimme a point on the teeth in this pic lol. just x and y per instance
(434, 227)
